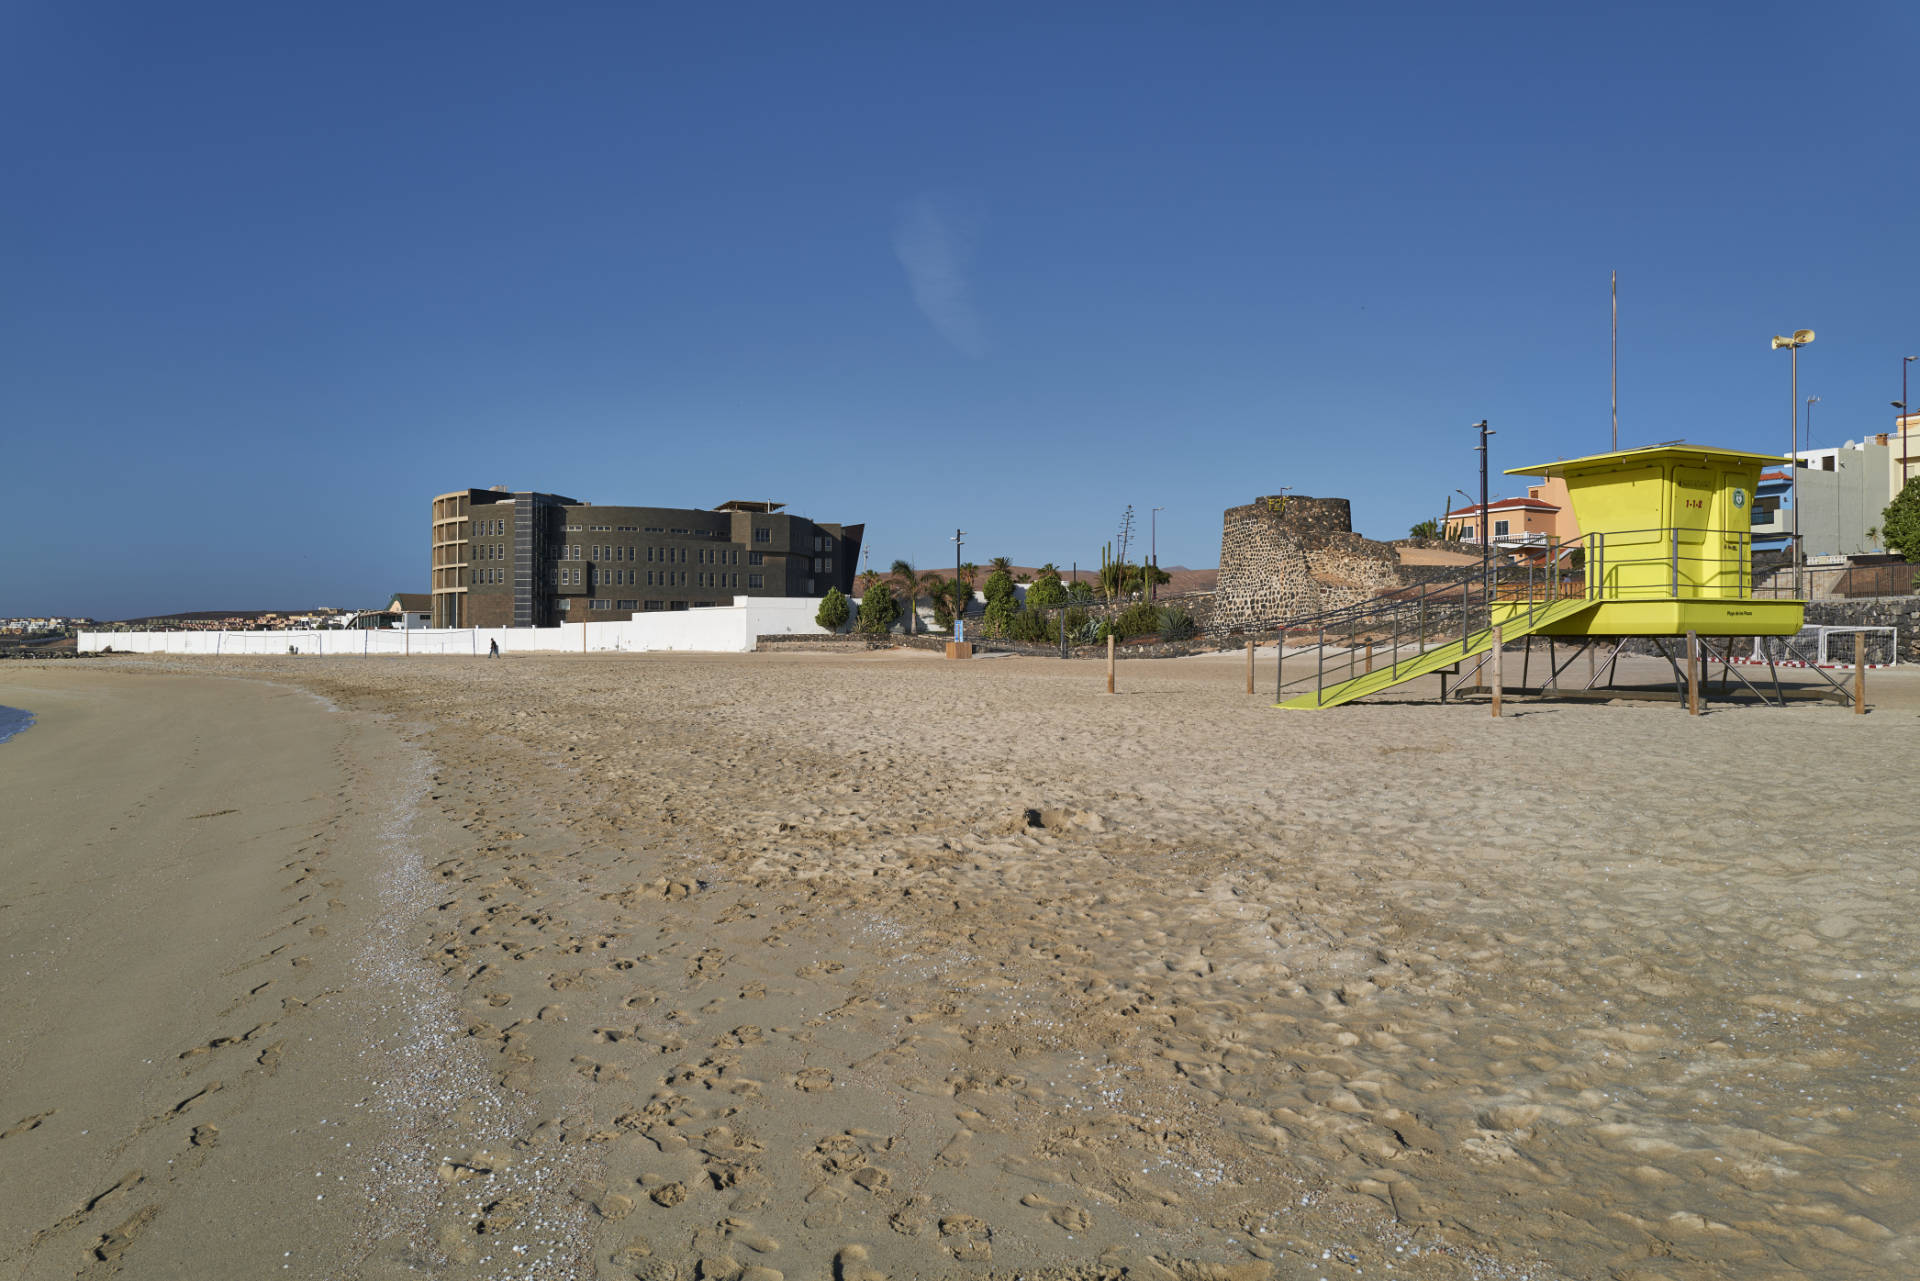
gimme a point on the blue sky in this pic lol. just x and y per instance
(276, 275)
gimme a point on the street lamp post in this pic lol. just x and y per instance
(1486, 537)
(1905, 414)
(1801, 337)
(1153, 552)
(960, 593)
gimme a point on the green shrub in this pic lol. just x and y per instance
(1047, 591)
(1028, 626)
(999, 587)
(1176, 623)
(999, 618)
(1142, 619)
(834, 611)
(878, 610)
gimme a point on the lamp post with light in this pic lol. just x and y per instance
(1905, 414)
(1486, 538)
(1801, 337)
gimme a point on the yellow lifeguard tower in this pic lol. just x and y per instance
(1667, 545)
(1666, 551)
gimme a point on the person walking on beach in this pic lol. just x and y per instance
(493, 649)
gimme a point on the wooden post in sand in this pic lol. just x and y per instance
(1369, 658)
(1859, 673)
(1109, 662)
(1249, 667)
(1693, 673)
(1496, 670)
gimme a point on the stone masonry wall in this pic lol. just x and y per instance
(1282, 558)
(1902, 612)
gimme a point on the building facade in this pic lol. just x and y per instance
(1840, 493)
(527, 559)
(1517, 522)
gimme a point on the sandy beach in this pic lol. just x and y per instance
(858, 966)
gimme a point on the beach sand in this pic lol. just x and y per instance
(679, 966)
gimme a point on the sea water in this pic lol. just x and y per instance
(12, 721)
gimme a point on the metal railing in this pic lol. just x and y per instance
(1392, 632)
(1674, 562)
(1839, 582)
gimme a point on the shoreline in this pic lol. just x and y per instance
(14, 721)
(223, 1056)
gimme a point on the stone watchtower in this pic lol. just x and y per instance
(1288, 555)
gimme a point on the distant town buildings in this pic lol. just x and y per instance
(42, 625)
(1516, 522)
(1841, 493)
(529, 559)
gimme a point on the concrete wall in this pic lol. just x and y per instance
(725, 629)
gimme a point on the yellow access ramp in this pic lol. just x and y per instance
(1433, 660)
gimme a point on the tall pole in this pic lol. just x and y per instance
(1793, 465)
(960, 592)
(1486, 530)
(1153, 554)
(1616, 360)
(1906, 415)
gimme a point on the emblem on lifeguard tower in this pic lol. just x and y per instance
(1739, 498)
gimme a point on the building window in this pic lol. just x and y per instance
(1500, 529)
(829, 564)
(626, 604)
(565, 606)
(754, 580)
(755, 558)
(763, 535)
(600, 604)
(655, 604)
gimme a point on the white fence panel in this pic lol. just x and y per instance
(728, 629)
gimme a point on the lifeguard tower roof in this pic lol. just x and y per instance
(1671, 451)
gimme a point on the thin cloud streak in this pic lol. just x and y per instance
(932, 249)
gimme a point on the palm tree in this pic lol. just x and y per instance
(1001, 565)
(963, 588)
(911, 585)
(866, 580)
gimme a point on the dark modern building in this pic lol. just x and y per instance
(504, 559)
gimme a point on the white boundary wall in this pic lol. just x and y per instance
(727, 629)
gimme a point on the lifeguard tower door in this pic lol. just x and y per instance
(1714, 542)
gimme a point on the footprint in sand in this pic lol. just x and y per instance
(1070, 1218)
(851, 1264)
(112, 1245)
